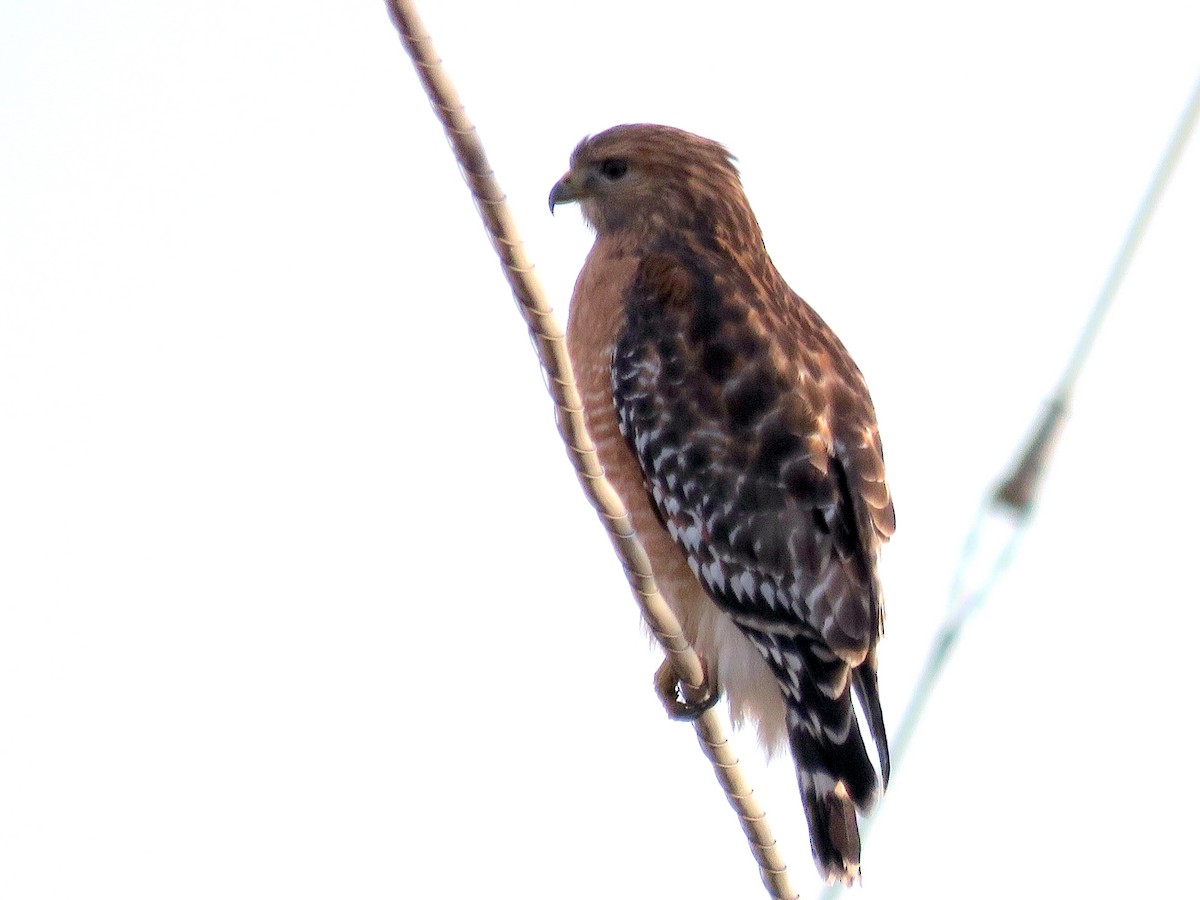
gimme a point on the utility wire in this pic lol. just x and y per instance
(550, 345)
(1005, 510)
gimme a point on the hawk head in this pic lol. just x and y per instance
(649, 179)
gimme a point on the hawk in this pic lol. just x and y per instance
(741, 437)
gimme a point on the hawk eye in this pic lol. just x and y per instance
(612, 169)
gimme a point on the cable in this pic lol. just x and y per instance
(550, 345)
(1005, 511)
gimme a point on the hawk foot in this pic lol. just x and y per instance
(674, 700)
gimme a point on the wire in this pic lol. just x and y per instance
(550, 345)
(1166, 167)
(1005, 511)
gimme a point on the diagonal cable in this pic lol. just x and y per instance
(550, 345)
(1005, 511)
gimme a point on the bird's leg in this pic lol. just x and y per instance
(674, 696)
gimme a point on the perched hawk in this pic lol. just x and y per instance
(741, 436)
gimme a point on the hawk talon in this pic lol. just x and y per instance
(670, 692)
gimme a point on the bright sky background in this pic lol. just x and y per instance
(298, 594)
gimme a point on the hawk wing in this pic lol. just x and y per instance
(757, 440)
(758, 443)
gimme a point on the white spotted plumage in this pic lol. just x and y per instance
(741, 436)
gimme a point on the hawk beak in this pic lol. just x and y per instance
(566, 190)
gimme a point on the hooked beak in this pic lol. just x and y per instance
(567, 189)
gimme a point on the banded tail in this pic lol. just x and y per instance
(837, 777)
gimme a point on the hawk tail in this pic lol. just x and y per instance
(837, 777)
(866, 689)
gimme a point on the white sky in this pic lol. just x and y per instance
(298, 594)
